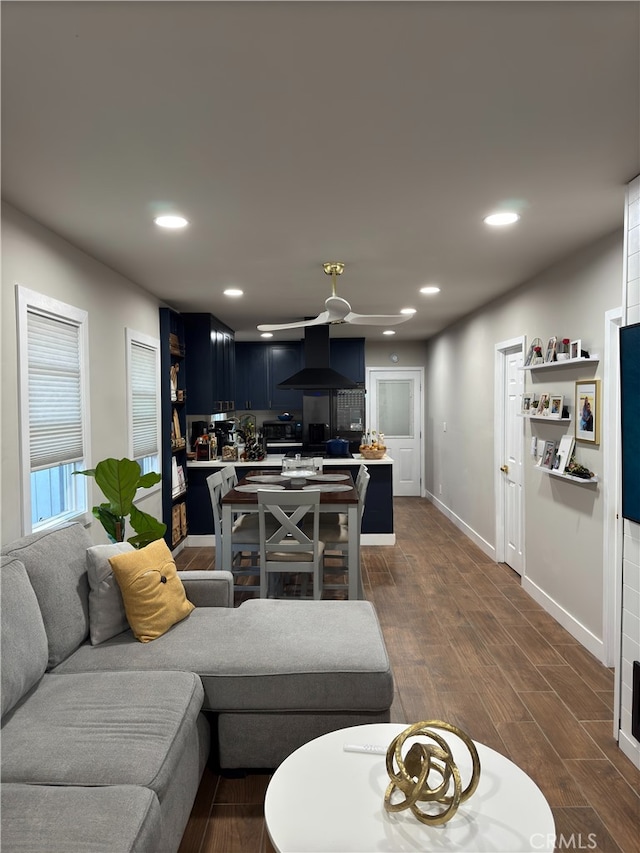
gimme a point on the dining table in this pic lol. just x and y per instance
(338, 494)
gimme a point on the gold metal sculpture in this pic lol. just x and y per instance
(411, 777)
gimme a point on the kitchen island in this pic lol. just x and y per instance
(377, 523)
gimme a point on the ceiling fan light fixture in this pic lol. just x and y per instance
(408, 311)
(171, 221)
(504, 217)
(266, 335)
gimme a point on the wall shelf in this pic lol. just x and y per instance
(546, 419)
(570, 362)
(581, 480)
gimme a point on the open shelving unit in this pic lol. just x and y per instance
(582, 480)
(556, 365)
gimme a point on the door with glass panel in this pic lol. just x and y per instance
(395, 409)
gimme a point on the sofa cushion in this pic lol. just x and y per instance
(24, 641)
(153, 594)
(106, 607)
(56, 563)
(108, 728)
(117, 819)
(266, 655)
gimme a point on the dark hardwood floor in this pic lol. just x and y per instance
(467, 645)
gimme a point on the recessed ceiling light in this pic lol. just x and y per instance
(266, 335)
(504, 218)
(388, 332)
(408, 311)
(233, 291)
(171, 221)
(430, 289)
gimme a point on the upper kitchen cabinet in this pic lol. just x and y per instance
(346, 355)
(210, 364)
(259, 369)
(252, 376)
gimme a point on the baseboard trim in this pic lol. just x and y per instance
(486, 547)
(570, 623)
(207, 540)
(630, 748)
(377, 538)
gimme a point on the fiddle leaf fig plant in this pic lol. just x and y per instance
(119, 480)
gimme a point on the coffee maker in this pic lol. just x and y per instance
(223, 431)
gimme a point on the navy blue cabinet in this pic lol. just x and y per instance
(174, 426)
(259, 369)
(346, 355)
(210, 364)
(252, 382)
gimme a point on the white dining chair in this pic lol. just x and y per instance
(335, 535)
(245, 536)
(294, 547)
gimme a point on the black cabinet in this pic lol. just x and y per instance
(259, 369)
(346, 355)
(210, 364)
(174, 426)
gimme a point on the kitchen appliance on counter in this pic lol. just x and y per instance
(279, 432)
(224, 433)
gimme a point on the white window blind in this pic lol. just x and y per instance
(144, 399)
(54, 390)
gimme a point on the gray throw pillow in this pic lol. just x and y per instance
(106, 608)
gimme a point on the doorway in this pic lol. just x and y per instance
(395, 408)
(509, 452)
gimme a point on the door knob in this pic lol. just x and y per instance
(504, 469)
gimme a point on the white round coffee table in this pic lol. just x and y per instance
(323, 799)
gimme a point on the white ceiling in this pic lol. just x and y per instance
(291, 133)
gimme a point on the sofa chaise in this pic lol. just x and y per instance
(105, 739)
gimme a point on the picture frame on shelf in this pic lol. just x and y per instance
(548, 455)
(527, 399)
(535, 354)
(588, 410)
(555, 406)
(563, 454)
(575, 349)
(543, 403)
(550, 354)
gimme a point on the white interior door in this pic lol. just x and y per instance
(510, 459)
(394, 407)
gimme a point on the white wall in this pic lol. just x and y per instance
(563, 521)
(37, 258)
(630, 644)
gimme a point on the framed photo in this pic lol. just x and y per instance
(588, 410)
(555, 406)
(543, 404)
(575, 349)
(526, 404)
(548, 455)
(550, 354)
(563, 455)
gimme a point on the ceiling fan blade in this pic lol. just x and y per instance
(300, 324)
(376, 319)
(337, 308)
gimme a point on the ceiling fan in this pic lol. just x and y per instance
(338, 310)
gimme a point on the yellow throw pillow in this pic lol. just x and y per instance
(153, 594)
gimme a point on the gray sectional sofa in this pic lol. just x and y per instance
(104, 741)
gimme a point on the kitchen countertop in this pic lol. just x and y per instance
(274, 460)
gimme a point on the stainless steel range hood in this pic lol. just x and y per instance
(317, 375)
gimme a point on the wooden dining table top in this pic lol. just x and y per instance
(326, 497)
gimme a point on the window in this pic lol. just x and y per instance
(143, 370)
(54, 422)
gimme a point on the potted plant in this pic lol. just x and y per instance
(119, 480)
